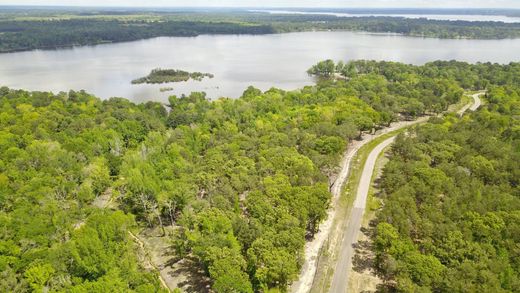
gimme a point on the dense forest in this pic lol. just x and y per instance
(411, 27)
(58, 153)
(37, 30)
(244, 182)
(50, 34)
(451, 215)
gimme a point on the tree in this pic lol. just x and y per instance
(275, 267)
(227, 269)
(325, 68)
(37, 276)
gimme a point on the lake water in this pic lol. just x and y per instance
(237, 61)
(453, 17)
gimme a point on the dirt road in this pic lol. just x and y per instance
(476, 101)
(339, 281)
(474, 106)
(312, 248)
(344, 262)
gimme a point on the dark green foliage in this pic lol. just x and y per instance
(27, 29)
(43, 34)
(407, 26)
(450, 222)
(171, 75)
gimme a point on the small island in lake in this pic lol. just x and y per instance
(159, 75)
(166, 89)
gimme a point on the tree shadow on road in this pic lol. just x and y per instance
(364, 257)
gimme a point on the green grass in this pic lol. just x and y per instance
(359, 161)
(466, 99)
(374, 203)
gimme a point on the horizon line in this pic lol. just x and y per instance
(258, 7)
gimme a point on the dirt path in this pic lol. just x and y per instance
(472, 106)
(312, 248)
(104, 200)
(185, 274)
(157, 253)
(477, 102)
(148, 256)
(147, 259)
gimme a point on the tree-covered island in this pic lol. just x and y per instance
(159, 75)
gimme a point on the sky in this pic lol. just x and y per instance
(278, 3)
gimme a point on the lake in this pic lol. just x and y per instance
(237, 61)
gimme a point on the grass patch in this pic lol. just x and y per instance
(374, 203)
(464, 100)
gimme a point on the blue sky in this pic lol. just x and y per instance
(279, 3)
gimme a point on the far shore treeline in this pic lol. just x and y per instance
(51, 29)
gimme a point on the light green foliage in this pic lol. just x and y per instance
(228, 270)
(37, 276)
(97, 247)
(97, 175)
(325, 68)
(275, 265)
(57, 153)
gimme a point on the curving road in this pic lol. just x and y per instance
(476, 101)
(344, 263)
(474, 106)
